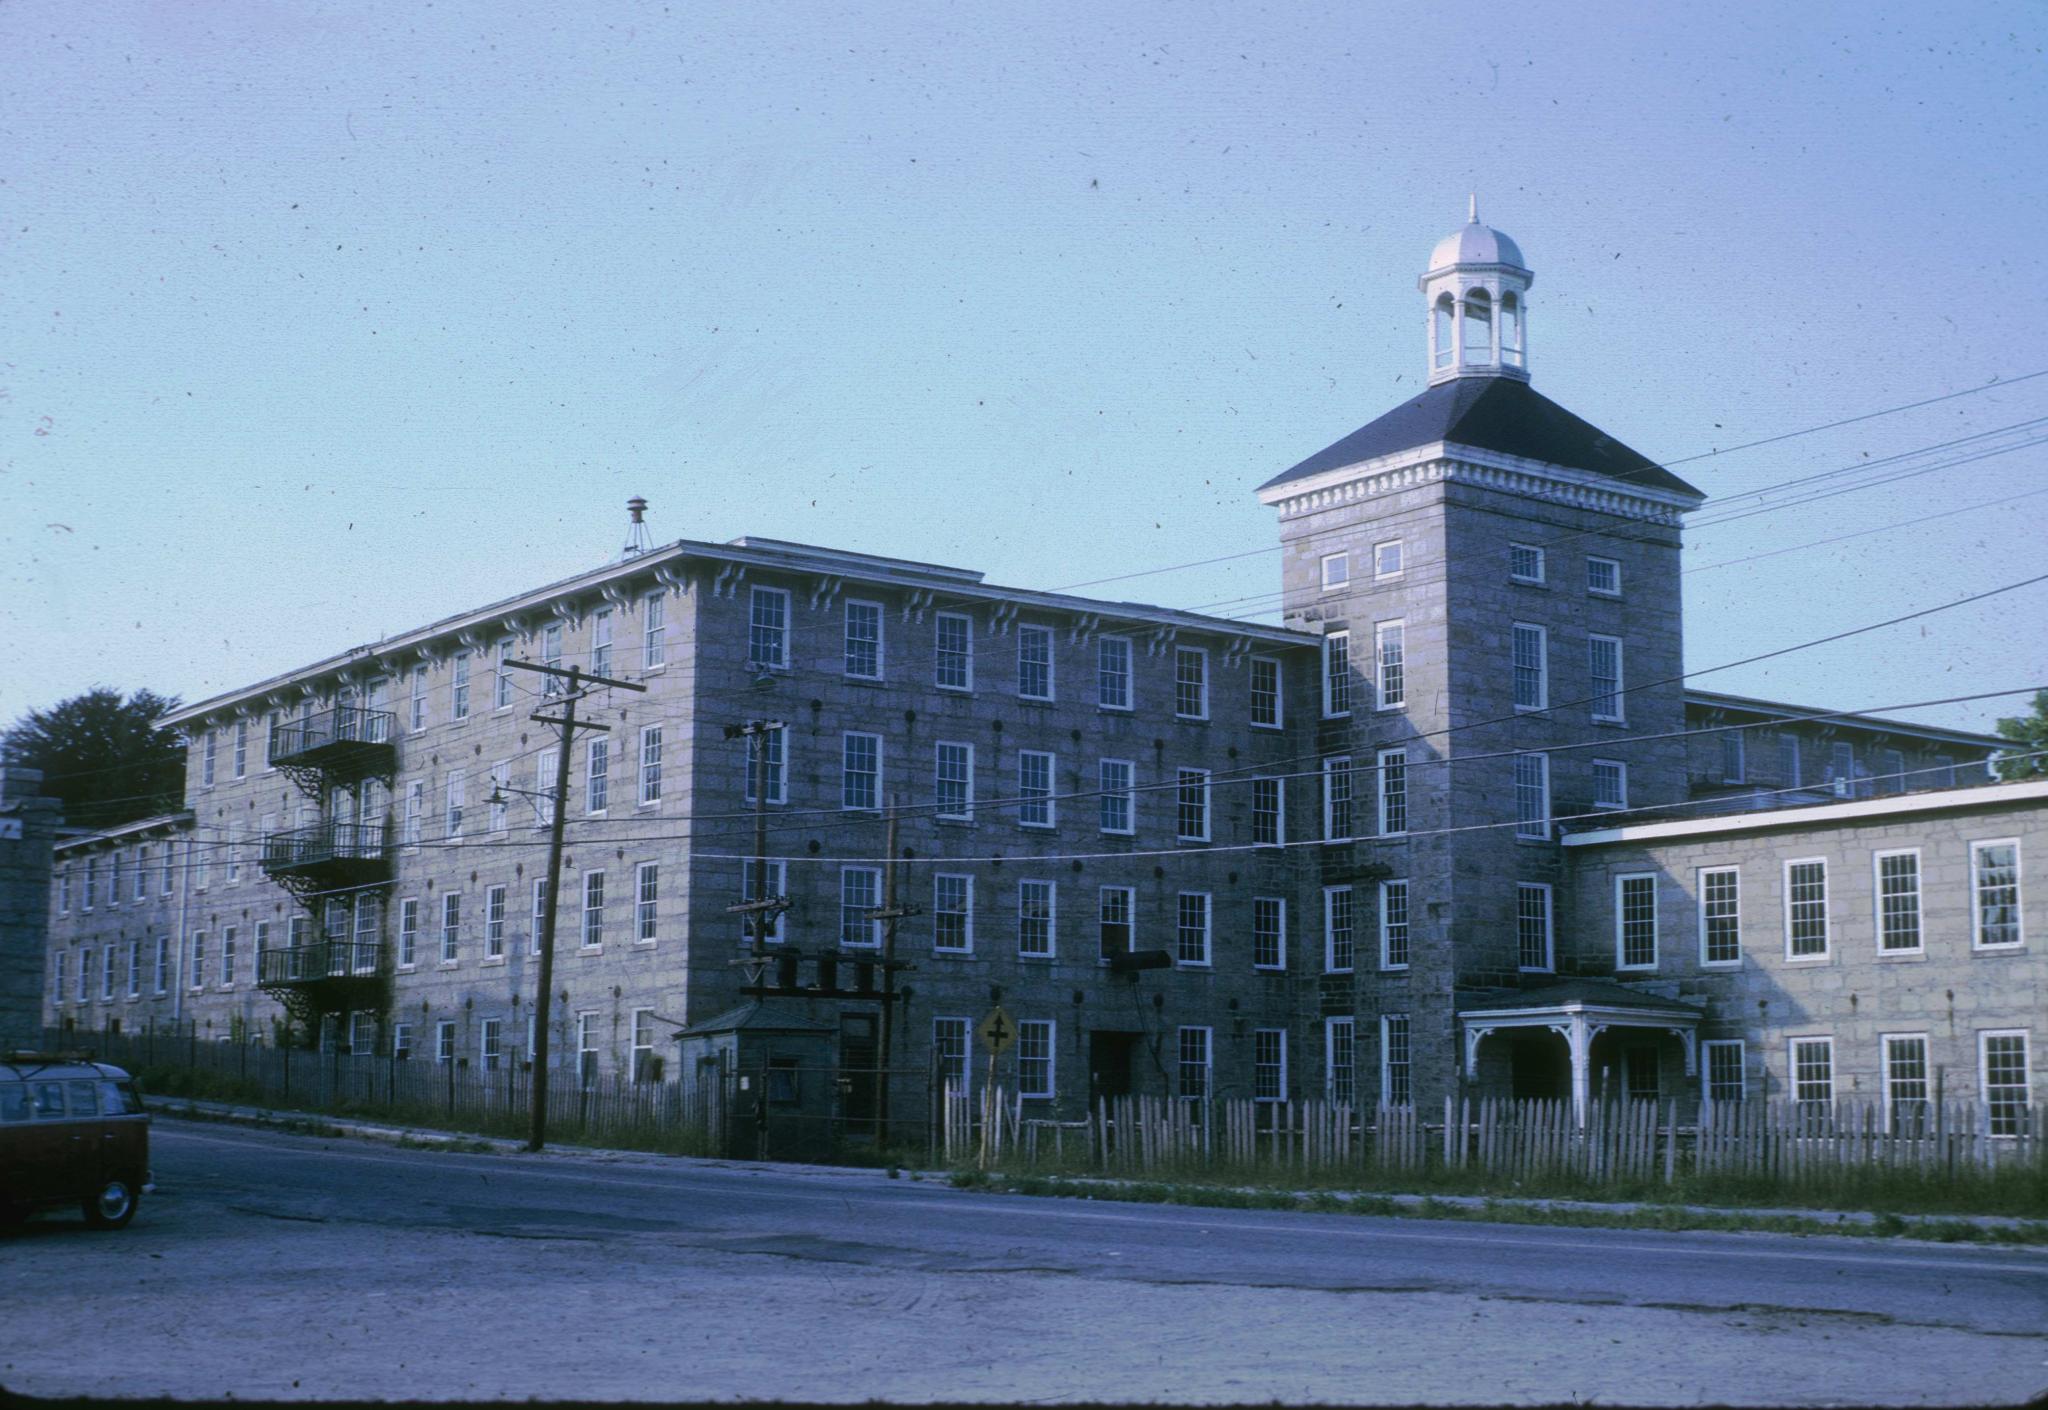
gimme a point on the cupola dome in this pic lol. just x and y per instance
(1478, 293)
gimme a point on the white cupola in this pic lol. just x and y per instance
(1477, 290)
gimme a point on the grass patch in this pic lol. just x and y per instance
(1663, 1217)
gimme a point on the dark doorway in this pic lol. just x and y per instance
(859, 1053)
(1109, 1064)
(1541, 1067)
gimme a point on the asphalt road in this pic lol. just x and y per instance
(283, 1266)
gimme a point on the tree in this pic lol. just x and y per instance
(2029, 735)
(105, 757)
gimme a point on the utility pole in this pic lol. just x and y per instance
(889, 914)
(577, 678)
(761, 906)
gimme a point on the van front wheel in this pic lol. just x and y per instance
(113, 1206)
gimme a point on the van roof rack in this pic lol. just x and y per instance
(30, 1057)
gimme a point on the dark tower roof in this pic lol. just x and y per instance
(1492, 413)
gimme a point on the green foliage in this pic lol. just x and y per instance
(103, 756)
(2029, 735)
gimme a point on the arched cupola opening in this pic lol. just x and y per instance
(1478, 332)
(1442, 334)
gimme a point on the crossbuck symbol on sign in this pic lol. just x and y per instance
(996, 1031)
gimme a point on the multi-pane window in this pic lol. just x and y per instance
(242, 739)
(1905, 1080)
(1269, 1064)
(1265, 692)
(1789, 773)
(1892, 769)
(1386, 560)
(458, 686)
(953, 780)
(1995, 887)
(1336, 571)
(1390, 654)
(1192, 805)
(85, 957)
(768, 751)
(1842, 765)
(92, 881)
(1113, 673)
(135, 961)
(646, 901)
(1532, 667)
(1635, 921)
(1610, 783)
(864, 640)
(1194, 1064)
(408, 932)
(1340, 1058)
(1191, 683)
(416, 717)
(860, 776)
(601, 642)
(1720, 915)
(227, 964)
(1532, 795)
(597, 785)
(860, 892)
(401, 1041)
(1034, 662)
(586, 1045)
(1035, 1048)
(457, 796)
(369, 916)
(1337, 820)
(208, 758)
(1336, 674)
(1113, 913)
(1394, 924)
(1118, 804)
(1191, 930)
(753, 887)
(1034, 789)
(1393, 775)
(415, 804)
(1722, 1059)
(1266, 830)
(1603, 670)
(1813, 1070)
(650, 764)
(1525, 563)
(653, 631)
(451, 926)
(1898, 901)
(949, 1052)
(551, 655)
(768, 629)
(1339, 949)
(160, 979)
(1035, 915)
(57, 976)
(499, 799)
(952, 912)
(953, 652)
(491, 1044)
(1533, 927)
(2002, 1058)
(1603, 577)
(1806, 909)
(1395, 1089)
(494, 923)
(593, 909)
(1269, 932)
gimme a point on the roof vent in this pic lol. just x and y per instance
(636, 532)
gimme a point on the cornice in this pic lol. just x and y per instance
(1446, 462)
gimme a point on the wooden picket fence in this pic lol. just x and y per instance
(1620, 1141)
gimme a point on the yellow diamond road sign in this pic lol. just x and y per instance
(996, 1031)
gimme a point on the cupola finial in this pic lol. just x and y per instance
(1472, 202)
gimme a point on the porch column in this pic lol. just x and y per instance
(1578, 1036)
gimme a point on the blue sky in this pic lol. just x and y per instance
(322, 321)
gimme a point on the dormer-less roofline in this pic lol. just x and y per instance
(163, 822)
(1875, 724)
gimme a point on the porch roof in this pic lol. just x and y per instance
(754, 1017)
(1582, 995)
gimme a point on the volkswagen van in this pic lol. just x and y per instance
(72, 1133)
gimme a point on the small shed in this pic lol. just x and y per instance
(775, 1074)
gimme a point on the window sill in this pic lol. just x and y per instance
(490, 960)
(448, 964)
(950, 954)
(645, 943)
(1276, 727)
(1807, 959)
(1721, 966)
(1181, 719)
(2017, 949)
(1913, 954)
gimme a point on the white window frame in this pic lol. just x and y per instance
(1181, 929)
(1620, 768)
(847, 773)
(1336, 663)
(1203, 1039)
(1127, 897)
(1700, 886)
(1877, 907)
(1390, 664)
(1619, 695)
(1038, 1029)
(1621, 922)
(1330, 894)
(1271, 663)
(653, 632)
(1390, 767)
(1036, 806)
(1032, 631)
(1334, 570)
(963, 884)
(1977, 941)
(1381, 573)
(1340, 1078)
(646, 903)
(1278, 964)
(601, 642)
(458, 686)
(965, 812)
(940, 657)
(874, 891)
(1708, 1047)
(757, 596)
(1278, 1038)
(1887, 1096)
(1592, 587)
(1518, 633)
(1388, 1022)
(1126, 794)
(772, 759)
(451, 927)
(776, 884)
(1792, 1081)
(408, 933)
(1827, 937)
(1277, 814)
(590, 917)
(1514, 576)
(647, 774)
(1106, 673)
(494, 923)
(1183, 780)
(597, 776)
(2026, 1101)
(1051, 896)
(1334, 770)
(416, 717)
(1391, 889)
(1200, 656)
(1536, 829)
